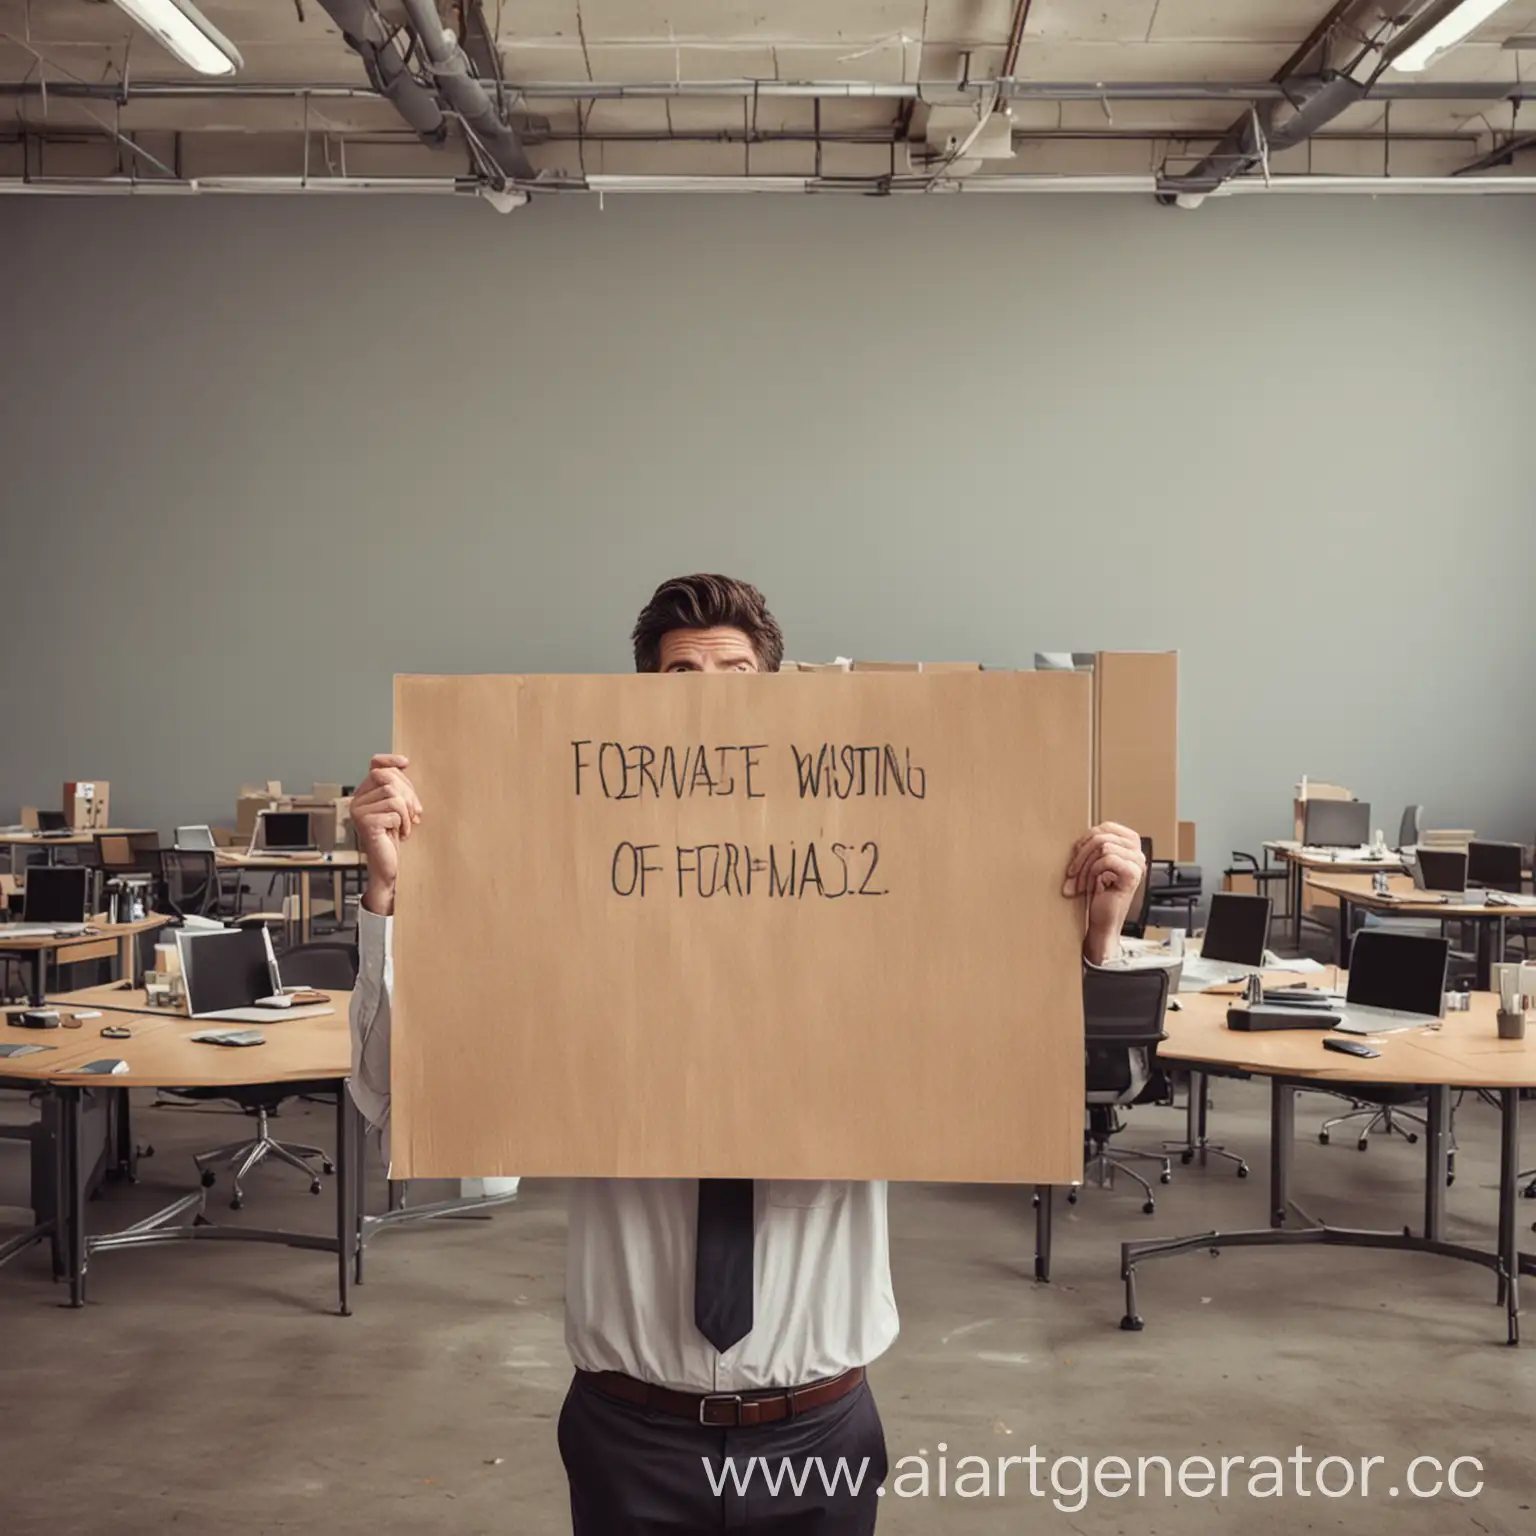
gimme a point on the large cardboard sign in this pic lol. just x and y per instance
(785, 927)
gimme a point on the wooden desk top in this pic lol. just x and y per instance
(1358, 889)
(1296, 853)
(79, 839)
(1465, 1052)
(161, 1055)
(27, 944)
(342, 858)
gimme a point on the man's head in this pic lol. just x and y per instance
(707, 624)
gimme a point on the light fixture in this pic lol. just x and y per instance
(1451, 29)
(188, 34)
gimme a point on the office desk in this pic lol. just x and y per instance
(160, 1055)
(124, 935)
(1356, 891)
(1465, 1052)
(300, 873)
(1299, 860)
(81, 839)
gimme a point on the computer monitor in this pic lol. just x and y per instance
(1441, 869)
(195, 839)
(59, 893)
(52, 821)
(286, 830)
(228, 968)
(1238, 930)
(1499, 866)
(1402, 971)
(1337, 824)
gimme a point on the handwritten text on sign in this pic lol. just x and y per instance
(830, 771)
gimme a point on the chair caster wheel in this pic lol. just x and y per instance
(1242, 1170)
(1530, 1190)
(1363, 1145)
(237, 1204)
(1412, 1138)
(1186, 1158)
(1149, 1208)
(1129, 1324)
(208, 1178)
(1450, 1179)
(1322, 1136)
(1165, 1178)
(1071, 1197)
(328, 1167)
(314, 1188)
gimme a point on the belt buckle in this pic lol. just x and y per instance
(719, 1397)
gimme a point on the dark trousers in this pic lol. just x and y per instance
(638, 1473)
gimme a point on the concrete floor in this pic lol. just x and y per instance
(212, 1389)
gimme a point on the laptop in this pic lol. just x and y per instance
(57, 900)
(1337, 824)
(195, 839)
(1396, 981)
(1232, 949)
(54, 824)
(228, 971)
(1441, 870)
(283, 833)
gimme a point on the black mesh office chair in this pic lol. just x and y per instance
(1172, 884)
(323, 966)
(1122, 1025)
(188, 882)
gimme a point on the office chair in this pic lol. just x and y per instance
(1247, 866)
(1410, 827)
(128, 853)
(1135, 925)
(1383, 1107)
(307, 965)
(1499, 866)
(1122, 1024)
(1173, 884)
(187, 882)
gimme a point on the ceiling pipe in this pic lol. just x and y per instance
(122, 93)
(372, 41)
(1316, 91)
(449, 66)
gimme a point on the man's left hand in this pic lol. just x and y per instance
(1107, 866)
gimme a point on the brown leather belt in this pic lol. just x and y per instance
(725, 1410)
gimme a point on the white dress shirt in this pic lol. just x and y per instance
(823, 1300)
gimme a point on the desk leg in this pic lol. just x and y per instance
(1282, 1142)
(1490, 947)
(346, 1211)
(1293, 891)
(360, 1186)
(39, 977)
(1509, 1200)
(1436, 1161)
(72, 1208)
(1045, 1201)
(304, 906)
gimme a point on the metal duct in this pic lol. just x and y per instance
(457, 80)
(372, 41)
(1317, 93)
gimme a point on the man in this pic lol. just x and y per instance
(710, 1318)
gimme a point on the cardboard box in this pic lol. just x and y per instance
(29, 817)
(1187, 854)
(916, 666)
(247, 808)
(326, 791)
(87, 804)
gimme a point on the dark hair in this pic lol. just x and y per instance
(707, 602)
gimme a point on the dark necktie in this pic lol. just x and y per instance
(722, 1276)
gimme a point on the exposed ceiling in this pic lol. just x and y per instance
(865, 95)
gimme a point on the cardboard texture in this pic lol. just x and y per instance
(87, 804)
(1187, 843)
(1136, 744)
(919, 1017)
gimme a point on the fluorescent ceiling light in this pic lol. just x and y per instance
(187, 33)
(1441, 37)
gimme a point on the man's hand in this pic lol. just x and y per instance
(384, 810)
(1107, 866)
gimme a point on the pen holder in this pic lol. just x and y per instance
(1511, 1025)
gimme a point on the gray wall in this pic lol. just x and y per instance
(261, 454)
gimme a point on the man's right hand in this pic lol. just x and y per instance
(384, 810)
